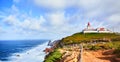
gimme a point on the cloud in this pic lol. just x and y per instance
(33, 23)
(89, 4)
(24, 23)
(61, 18)
(106, 13)
(11, 20)
(1, 30)
(14, 8)
(27, 23)
(55, 4)
(16, 1)
(114, 18)
(91, 8)
(57, 18)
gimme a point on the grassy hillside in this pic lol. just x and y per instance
(81, 37)
(53, 56)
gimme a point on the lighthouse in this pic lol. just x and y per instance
(89, 29)
(88, 25)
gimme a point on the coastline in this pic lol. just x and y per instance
(93, 48)
(34, 54)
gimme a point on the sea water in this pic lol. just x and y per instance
(22, 50)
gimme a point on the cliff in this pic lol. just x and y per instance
(68, 49)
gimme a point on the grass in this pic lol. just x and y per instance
(117, 48)
(53, 56)
(99, 46)
(84, 38)
(109, 45)
(81, 37)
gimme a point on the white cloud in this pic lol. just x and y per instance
(11, 20)
(55, 4)
(14, 8)
(106, 13)
(33, 24)
(16, 1)
(22, 22)
(91, 8)
(89, 4)
(26, 28)
(1, 30)
(62, 21)
(57, 18)
(114, 18)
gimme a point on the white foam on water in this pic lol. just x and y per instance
(35, 54)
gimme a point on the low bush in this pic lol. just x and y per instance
(53, 56)
(95, 47)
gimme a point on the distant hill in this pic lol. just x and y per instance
(86, 37)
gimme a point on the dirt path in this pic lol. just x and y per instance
(99, 56)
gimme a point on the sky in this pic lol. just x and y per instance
(55, 19)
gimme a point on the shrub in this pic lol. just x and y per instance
(117, 50)
(95, 47)
(107, 46)
(53, 56)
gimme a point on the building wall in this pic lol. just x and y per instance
(97, 32)
(90, 31)
(105, 32)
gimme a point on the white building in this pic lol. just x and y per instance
(89, 29)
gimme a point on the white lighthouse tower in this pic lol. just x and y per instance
(88, 26)
(89, 29)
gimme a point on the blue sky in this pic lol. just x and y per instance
(54, 19)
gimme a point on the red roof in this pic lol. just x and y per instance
(88, 23)
(102, 29)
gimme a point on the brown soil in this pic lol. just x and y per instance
(69, 55)
(99, 56)
(88, 56)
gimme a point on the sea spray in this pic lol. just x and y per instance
(35, 54)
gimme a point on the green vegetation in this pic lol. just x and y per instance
(99, 46)
(94, 47)
(109, 45)
(86, 39)
(117, 48)
(53, 56)
(81, 37)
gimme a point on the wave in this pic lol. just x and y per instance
(35, 54)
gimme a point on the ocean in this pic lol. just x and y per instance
(22, 50)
